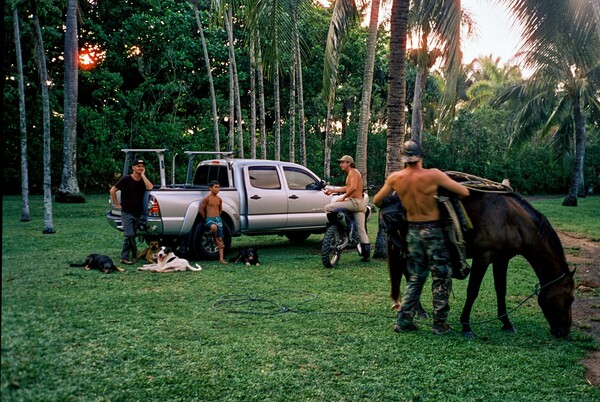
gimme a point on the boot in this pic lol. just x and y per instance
(366, 252)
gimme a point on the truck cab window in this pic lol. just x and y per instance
(264, 177)
(300, 180)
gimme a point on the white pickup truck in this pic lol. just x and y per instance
(259, 197)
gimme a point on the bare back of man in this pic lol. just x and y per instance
(417, 188)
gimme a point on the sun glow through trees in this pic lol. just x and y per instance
(90, 56)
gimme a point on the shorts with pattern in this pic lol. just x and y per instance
(216, 220)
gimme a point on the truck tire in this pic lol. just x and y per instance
(204, 245)
(297, 237)
(330, 252)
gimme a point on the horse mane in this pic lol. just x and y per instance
(545, 229)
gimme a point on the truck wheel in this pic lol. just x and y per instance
(297, 237)
(330, 251)
(204, 244)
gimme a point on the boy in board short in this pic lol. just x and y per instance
(210, 209)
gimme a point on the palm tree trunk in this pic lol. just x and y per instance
(302, 139)
(48, 223)
(292, 111)
(236, 85)
(231, 109)
(261, 105)
(328, 137)
(252, 99)
(577, 174)
(69, 187)
(211, 85)
(367, 87)
(417, 117)
(397, 84)
(396, 99)
(277, 127)
(25, 216)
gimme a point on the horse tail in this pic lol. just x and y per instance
(396, 268)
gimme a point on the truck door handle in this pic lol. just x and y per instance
(293, 197)
(255, 197)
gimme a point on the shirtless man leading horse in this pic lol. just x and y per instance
(417, 188)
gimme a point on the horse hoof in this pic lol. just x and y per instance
(469, 335)
(509, 330)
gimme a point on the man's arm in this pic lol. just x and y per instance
(383, 193)
(147, 183)
(202, 208)
(113, 197)
(449, 184)
(337, 190)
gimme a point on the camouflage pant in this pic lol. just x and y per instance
(427, 252)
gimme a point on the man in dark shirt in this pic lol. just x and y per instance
(133, 188)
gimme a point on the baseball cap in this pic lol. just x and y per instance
(139, 162)
(346, 158)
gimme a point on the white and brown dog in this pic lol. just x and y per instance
(167, 261)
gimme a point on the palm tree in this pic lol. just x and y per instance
(488, 78)
(397, 85)
(211, 85)
(261, 103)
(566, 71)
(438, 20)
(252, 99)
(365, 106)
(25, 217)
(344, 14)
(69, 187)
(41, 56)
(237, 116)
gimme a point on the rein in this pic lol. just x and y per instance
(538, 288)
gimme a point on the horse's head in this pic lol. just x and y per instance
(555, 299)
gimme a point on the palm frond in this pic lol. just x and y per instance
(344, 14)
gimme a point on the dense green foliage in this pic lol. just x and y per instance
(70, 334)
(151, 91)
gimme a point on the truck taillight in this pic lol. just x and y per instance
(153, 208)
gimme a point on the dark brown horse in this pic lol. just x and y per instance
(505, 225)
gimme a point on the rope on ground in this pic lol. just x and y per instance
(262, 305)
(267, 305)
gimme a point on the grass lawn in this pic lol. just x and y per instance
(288, 330)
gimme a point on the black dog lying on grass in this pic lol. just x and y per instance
(102, 263)
(248, 256)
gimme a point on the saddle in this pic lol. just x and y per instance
(458, 223)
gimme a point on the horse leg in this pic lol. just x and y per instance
(500, 268)
(478, 270)
(397, 267)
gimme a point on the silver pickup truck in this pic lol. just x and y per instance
(259, 197)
